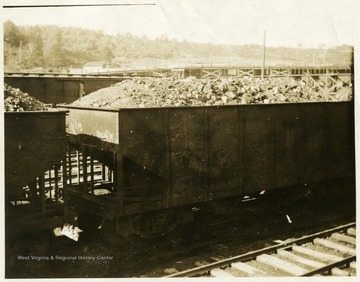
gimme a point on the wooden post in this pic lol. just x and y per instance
(64, 183)
(103, 172)
(42, 196)
(69, 167)
(33, 193)
(84, 165)
(50, 184)
(78, 166)
(118, 174)
(92, 172)
(56, 183)
(263, 62)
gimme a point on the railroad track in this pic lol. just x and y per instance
(327, 253)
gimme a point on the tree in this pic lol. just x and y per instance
(13, 45)
(105, 48)
(53, 49)
(35, 57)
(12, 34)
(107, 54)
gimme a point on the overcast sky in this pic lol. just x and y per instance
(287, 22)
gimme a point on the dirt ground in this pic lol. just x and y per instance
(255, 225)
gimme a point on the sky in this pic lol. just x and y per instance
(291, 23)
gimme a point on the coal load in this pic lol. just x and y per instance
(166, 92)
(17, 101)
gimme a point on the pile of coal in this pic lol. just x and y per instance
(17, 101)
(167, 92)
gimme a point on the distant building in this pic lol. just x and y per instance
(95, 67)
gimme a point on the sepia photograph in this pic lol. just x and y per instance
(179, 138)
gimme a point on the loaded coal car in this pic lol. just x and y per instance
(35, 150)
(156, 164)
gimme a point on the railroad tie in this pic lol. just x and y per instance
(170, 270)
(344, 238)
(339, 272)
(305, 261)
(218, 272)
(248, 269)
(217, 258)
(317, 255)
(200, 263)
(351, 231)
(283, 265)
(336, 246)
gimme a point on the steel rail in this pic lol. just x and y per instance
(329, 267)
(253, 254)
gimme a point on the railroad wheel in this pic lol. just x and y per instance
(88, 222)
(159, 223)
(117, 232)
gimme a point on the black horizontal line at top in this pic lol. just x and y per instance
(78, 5)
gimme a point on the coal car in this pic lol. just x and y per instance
(35, 150)
(156, 164)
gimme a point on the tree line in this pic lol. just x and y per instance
(54, 47)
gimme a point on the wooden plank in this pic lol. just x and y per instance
(218, 272)
(279, 72)
(281, 264)
(248, 269)
(317, 255)
(344, 238)
(336, 246)
(308, 262)
(242, 73)
(210, 73)
(339, 272)
(351, 232)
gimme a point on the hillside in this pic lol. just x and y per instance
(53, 47)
